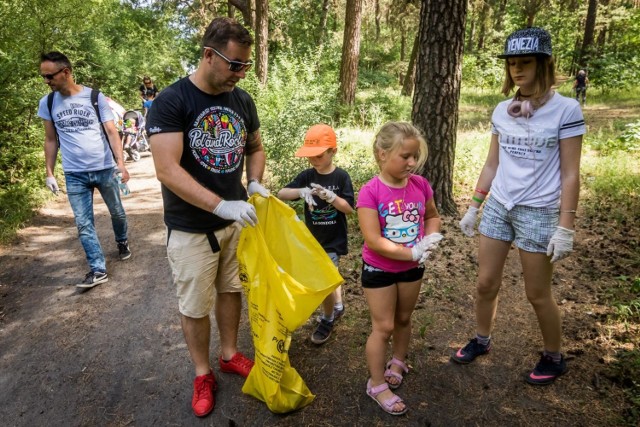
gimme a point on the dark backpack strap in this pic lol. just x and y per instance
(94, 102)
(50, 106)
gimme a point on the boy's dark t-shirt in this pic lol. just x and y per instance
(215, 130)
(327, 224)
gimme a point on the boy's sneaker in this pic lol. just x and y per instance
(546, 371)
(203, 399)
(322, 332)
(239, 364)
(470, 351)
(92, 279)
(123, 250)
(337, 314)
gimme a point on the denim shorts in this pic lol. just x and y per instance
(528, 227)
(373, 277)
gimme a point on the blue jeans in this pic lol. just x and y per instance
(80, 186)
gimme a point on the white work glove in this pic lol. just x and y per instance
(326, 195)
(307, 194)
(237, 210)
(561, 244)
(256, 187)
(52, 184)
(468, 222)
(421, 251)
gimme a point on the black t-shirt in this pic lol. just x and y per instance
(581, 79)
(215, 130)
(327, 224)
(148, 91)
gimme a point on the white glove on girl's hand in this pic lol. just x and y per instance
(561, 244)
(256, 187)
(326, 195)
(307, 194)
(52, 184)
(421, 251)
(237, 210)
(468, 221)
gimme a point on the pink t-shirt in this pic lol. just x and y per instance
(401, 216)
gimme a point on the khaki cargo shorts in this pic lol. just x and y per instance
(199, 273)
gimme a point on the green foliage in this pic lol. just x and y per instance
(627, 306)
(613, 185)
(627, 141)
(483, 70)
(294, 99)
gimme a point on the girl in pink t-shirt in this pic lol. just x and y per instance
(400, 224)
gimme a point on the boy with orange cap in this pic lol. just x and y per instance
(328, 194)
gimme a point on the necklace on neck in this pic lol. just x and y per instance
(396, 189)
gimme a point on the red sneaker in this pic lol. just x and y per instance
(203, 399)
(238, 364)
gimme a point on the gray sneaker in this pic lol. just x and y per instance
(322, 332)
(92, 279)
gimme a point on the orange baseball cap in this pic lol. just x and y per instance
(319, 138)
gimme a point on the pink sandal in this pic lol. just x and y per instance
(388, 404)
(390, 373)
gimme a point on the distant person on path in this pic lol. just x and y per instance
(148, 90)
(202, 130)
(146, 105)
(580, 86)
(91, 158)
(400, 224)
(328, 194)
(532, 172)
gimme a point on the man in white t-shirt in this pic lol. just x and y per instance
(91, 158)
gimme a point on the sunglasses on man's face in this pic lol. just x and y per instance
(52, 75)
(235, 66)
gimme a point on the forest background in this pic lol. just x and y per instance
(354, 64)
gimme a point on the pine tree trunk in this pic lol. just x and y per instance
(350, 53)
(244, 6)
(410, 77)
(322, 25)
(437, 92)
(262, 40)
(589, 31)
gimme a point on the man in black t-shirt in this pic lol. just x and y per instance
(580, 86)
(203, 130)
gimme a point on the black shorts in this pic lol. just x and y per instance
(373, 277)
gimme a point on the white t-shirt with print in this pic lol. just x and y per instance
(83, 145)
(529, 158)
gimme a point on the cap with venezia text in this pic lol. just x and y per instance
(528, 41)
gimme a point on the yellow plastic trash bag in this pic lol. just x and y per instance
(286, 274)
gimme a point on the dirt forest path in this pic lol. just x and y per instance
(115, 355)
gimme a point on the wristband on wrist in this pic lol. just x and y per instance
(482, 191)
(476, 199)
(253, 180)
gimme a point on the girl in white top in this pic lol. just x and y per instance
(533, 174)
